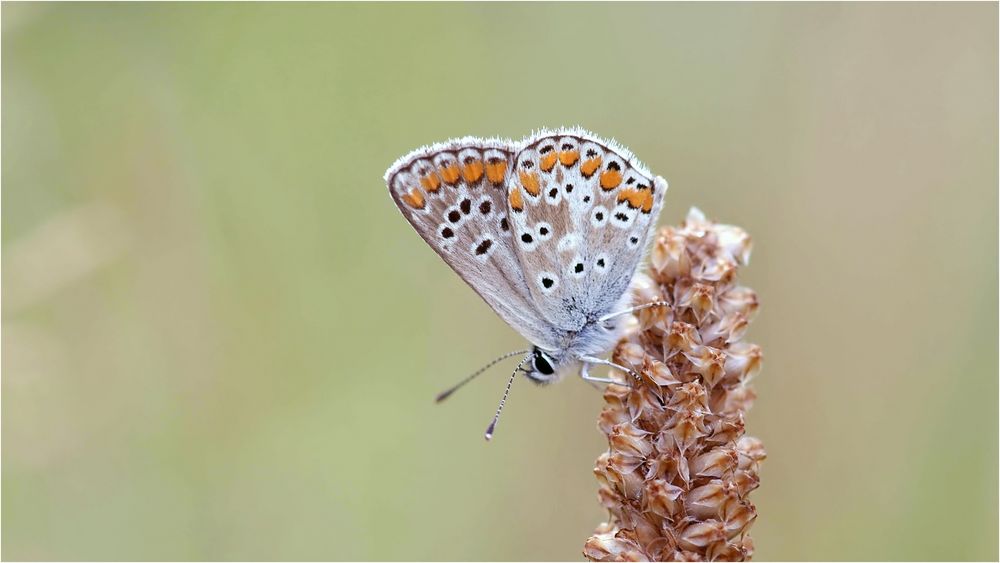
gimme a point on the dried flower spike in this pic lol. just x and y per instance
(678, 469)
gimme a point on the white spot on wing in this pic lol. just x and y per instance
(527, 240)
(485, 255)
(477, 210)
(568, 242)
(543, 230)
(623, 216)
(598, 216)
(602, 263)
(551, 278)
(553, 195)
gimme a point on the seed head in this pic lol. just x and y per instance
(678, 469)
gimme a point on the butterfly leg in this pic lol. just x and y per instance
(585, 374)
(588, 361)
(634, 309)
(596, 385)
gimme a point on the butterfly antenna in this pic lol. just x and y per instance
(445, 394)
(496, 417)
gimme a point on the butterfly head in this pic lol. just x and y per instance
(544, 366)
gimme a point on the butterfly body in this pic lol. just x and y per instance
(549, 231)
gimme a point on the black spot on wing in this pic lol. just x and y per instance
(483, 247)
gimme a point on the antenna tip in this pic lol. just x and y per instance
(443, 395)
(489, 431)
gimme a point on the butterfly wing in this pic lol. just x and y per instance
(454, 195)
(582, 210)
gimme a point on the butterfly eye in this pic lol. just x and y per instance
(542, 364)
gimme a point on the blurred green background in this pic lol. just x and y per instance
(221, 340)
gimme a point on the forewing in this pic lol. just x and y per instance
(582, 210)
(454, 195)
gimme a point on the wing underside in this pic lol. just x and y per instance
(582, 210)
(454, 196)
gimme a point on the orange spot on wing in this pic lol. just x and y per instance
(414, 199)
(610, 179)
(516, 203)
(450, 173)
(548, 161)
(431, 182)
(569, 158)
(473, 171)
(495, 170)
(590, 166)
(530, 182)
(647, 203)
(635, 198)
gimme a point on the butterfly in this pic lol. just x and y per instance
(549, 231)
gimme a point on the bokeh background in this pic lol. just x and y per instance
(222, 341)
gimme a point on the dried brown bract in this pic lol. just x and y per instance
(679, 469)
